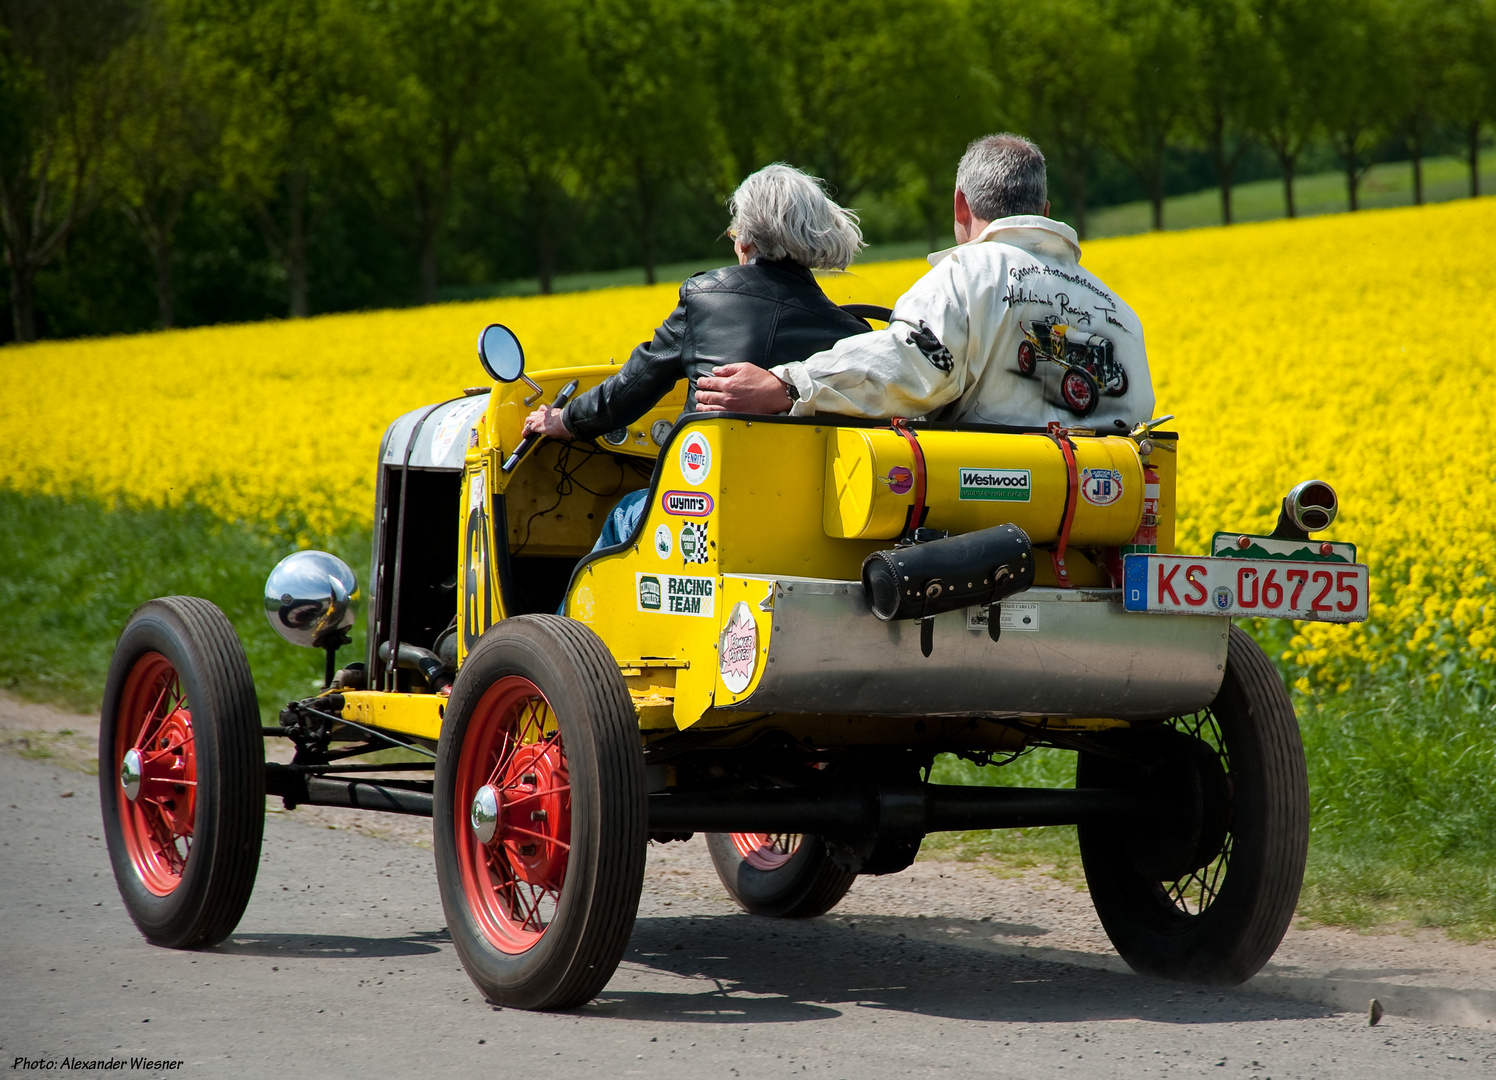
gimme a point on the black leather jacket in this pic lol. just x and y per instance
(764, 313)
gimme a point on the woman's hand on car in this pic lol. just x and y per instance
(547, 421)
(744, 388)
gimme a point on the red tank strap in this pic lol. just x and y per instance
(1072, 496)
(917, 512)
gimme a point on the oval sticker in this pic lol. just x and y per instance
(1100, 487)
(695, 458)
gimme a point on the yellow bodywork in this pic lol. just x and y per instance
(735, 505)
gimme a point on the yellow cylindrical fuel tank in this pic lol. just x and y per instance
(979, 479)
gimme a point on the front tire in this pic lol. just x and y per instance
(182, 773)
(540, 823)
(786, 876)
(1212, 905)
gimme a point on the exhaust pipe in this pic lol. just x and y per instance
(1309, 507)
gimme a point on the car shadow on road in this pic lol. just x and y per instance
(335, 945)
(753, 970)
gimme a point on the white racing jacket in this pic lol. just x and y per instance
(993, 333)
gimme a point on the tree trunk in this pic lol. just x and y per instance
(1352, 182)
(545, 251)
(23, 301)
(296, 246)
(1418, 177)
(1156, 197)
(1472, 144)
(647, 232)
(1226, 203)
(1287, 163)
(165, 295)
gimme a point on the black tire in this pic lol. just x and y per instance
(185, 850)
(1116, 379)
(1216, 915)
(530, 935)
(1079, 392)
(806, 885)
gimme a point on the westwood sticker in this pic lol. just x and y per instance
(695, 458)
(677, 594)
(737, 649)
(996, 485)
(686, 503)
(1100, 487)
(664, 542)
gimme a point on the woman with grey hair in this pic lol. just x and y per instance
(766, 311)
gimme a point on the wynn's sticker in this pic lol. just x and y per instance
(664, 542)
(695, 458)
(687, 503)
(676, 594)
(1100, 487)
(737, 649)
(996, 485)
(693, 542)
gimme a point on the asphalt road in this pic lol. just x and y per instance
(342, 967)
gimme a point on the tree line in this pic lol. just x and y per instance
(238, 158)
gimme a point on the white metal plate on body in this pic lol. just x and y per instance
(1249, 588)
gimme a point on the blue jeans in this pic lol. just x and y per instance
(619, 525)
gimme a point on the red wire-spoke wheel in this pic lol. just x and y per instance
(181, 772)
(1027, 360)
(157, 772)
(512, 814)
(540, 826)
(783, 875)
(1079, 391)
(1202, 888)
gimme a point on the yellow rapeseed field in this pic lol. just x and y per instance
(1353, 348)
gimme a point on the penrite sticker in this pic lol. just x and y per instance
(996, 485)
(687, 503)
(664, 542)
(1100, 487)
(693, 542)
(695, 458)
(676, 594)
(737, 649)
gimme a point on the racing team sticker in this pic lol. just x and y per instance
(677, 594)
(737, 649)
(695, 458)
(686, 503)
(664, 542)
(1100, 487)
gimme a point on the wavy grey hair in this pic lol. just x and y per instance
(785, 213)
(1003, 175)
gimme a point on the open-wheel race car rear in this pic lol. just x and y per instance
(807, 612)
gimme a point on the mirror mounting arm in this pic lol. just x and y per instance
(530, 399)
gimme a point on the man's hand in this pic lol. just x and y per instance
(547, 421)
(743, 388)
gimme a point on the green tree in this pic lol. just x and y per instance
(282, 72)
(1286, 115)
(1052, 89)
(1228, 58)
(59, 109)
(1467, 100)
(168, 138)
(1358, 86)
(1155, 82)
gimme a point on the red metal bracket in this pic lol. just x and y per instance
(917, 512)
(1072, 496)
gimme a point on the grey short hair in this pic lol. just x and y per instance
(785, 213)
(1003, 175)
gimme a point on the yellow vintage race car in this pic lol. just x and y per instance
(807, 612)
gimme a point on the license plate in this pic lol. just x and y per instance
(1252, 588)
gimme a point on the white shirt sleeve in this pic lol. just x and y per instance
(911, 368)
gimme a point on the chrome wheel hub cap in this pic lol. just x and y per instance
(130, 773)
(484, 815)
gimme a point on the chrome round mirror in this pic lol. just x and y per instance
(501, 353)
(309, 599)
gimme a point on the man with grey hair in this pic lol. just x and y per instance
(1006, 328)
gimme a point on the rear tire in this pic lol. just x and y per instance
(180, 704)
(769, 876)
(1221, 912)
(541, 907)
